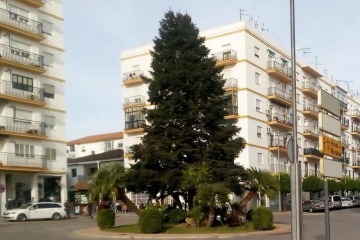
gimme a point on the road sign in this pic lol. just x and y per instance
(2, 188)
(289, 150)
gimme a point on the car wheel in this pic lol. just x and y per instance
(311, 210)
(56, 217)
(21, 218)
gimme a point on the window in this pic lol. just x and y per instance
(259, 129)
(297, 76)
(15, 12)
(92, 152)
(72, 148)
(299, 142)
(48, 59)
(257, 78)
(50, 154)
(49, 91)
(20, 48)
(256, 52)
(258, 105)
(22, 82)
(120, 145)
(82, 148)
(108, 146)
(260, 158)
(134, 117)
(49, 121)
(24, 150)
(24, 116)
(47, 27)
(73, 172)
(299, 121)
(298, 98)
(231, 102)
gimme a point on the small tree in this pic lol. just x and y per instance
(313, 185)
(333, 186)
(285, 186)
(349, 185)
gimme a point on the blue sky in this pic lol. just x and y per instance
(97, 31)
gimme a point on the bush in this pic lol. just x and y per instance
(105, 218)
(197, 214)
(262, 218)
(151, 220)
(177, 215)
(249, 215)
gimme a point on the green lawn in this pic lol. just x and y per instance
(183, 228)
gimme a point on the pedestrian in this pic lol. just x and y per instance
(89, 207)
(67, 208)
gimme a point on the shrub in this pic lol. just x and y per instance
(151, 220)
(249, 215)
(177, 215)
(105, 218)
(262, 218)
(197, 214)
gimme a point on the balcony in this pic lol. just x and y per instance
(356, 163)
(18, 58)
(232, 112)
(345, 142)
(312, 154)
(310, 89)
(277, 145)
(24, 163)
(355, 130)
(136, 126)
(279, 96)
(10, 91)
(311, 70)
(22, 128)
(225, 58)
(346, 161)
(280, 120)
(21, 25)
(33, 3)
(311, 110)
(231, 84)
(344, 123)
(311, 172)
(133, 78)
(279, 71)
(135, 101)
(311, 132)
(355, 115)
(276, 168)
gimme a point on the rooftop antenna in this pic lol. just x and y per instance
(326, 72)
(256, 22)
(304, 50)
(242, 13)
(316, 62)
(344, 81)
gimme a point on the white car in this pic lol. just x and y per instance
(347, 202)
(41, 210)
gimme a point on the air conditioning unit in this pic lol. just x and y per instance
(268, 112)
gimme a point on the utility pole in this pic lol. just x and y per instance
(280, 202)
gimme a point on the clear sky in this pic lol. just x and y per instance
(97, 31)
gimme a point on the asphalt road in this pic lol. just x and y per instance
(344, 225)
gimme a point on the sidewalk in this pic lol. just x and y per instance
(96, 232)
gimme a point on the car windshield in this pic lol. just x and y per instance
(25, 206)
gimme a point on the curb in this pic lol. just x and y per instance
(280, 229)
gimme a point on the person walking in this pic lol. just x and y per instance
(67, 208)
(89, 207)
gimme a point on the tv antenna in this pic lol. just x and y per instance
(242, 13)
(326, 72)
(304, 50)
(344, 81)
(317, 62)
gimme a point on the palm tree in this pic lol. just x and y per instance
(109, 179)
(259, 180)
(210, 195)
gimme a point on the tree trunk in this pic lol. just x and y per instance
(211, 216)
(246, 199)
(127, 201)
(191, 195)
(176, 198)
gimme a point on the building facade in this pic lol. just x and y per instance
(32, 111)
(258, 87)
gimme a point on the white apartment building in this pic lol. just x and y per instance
(258, 87)
(32, 110)
(94, 144)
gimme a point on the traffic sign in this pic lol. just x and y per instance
(289, 150)
(2, 188)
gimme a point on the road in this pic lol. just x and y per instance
(344, 226)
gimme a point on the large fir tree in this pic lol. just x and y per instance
(186, 126)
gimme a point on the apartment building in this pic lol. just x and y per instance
(258, 87)
(32, 110)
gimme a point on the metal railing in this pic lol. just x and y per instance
(355, 128)
(311, 129)
(21, 56)
(9, 89)
(345, 142)
(280, 118)
(132, 75)
(313, 151)
(225, 55)
(310, 85)
(274, 141)
(134, 100)
(21, 22)
(356, 163)
(276, 168)
(355, 113)
(274, 91)
(230, 82)
(83, 178)
(231, 110)
(135, 124)
(311, 172)
(22, 160)
(22, 126)
(279, 67)
(344, 121)
(310, 107)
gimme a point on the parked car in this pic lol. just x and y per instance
(346, 202)
(41, 210)
(331, 205)
(336, 201)
(356, 200)
(313, 205)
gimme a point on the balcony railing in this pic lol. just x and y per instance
(276, 168)
(310, 88)
(311, 108)
(274, 141)
(279, 70)
(231, 83)
(356, 163)
(22, 160)
(134, 77)
(225, 55)
(311, 172)
(311, 129)
(134, 100)
(231, 110)
(313, 151)
(344, 122)
(355, 128)
(135, 124)
(21, 126)
(20, 56)
(278, 117)
(20, 22)
(83, 178)
(7, 88)
(345, 142)
(280, 95)
(355, 114)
